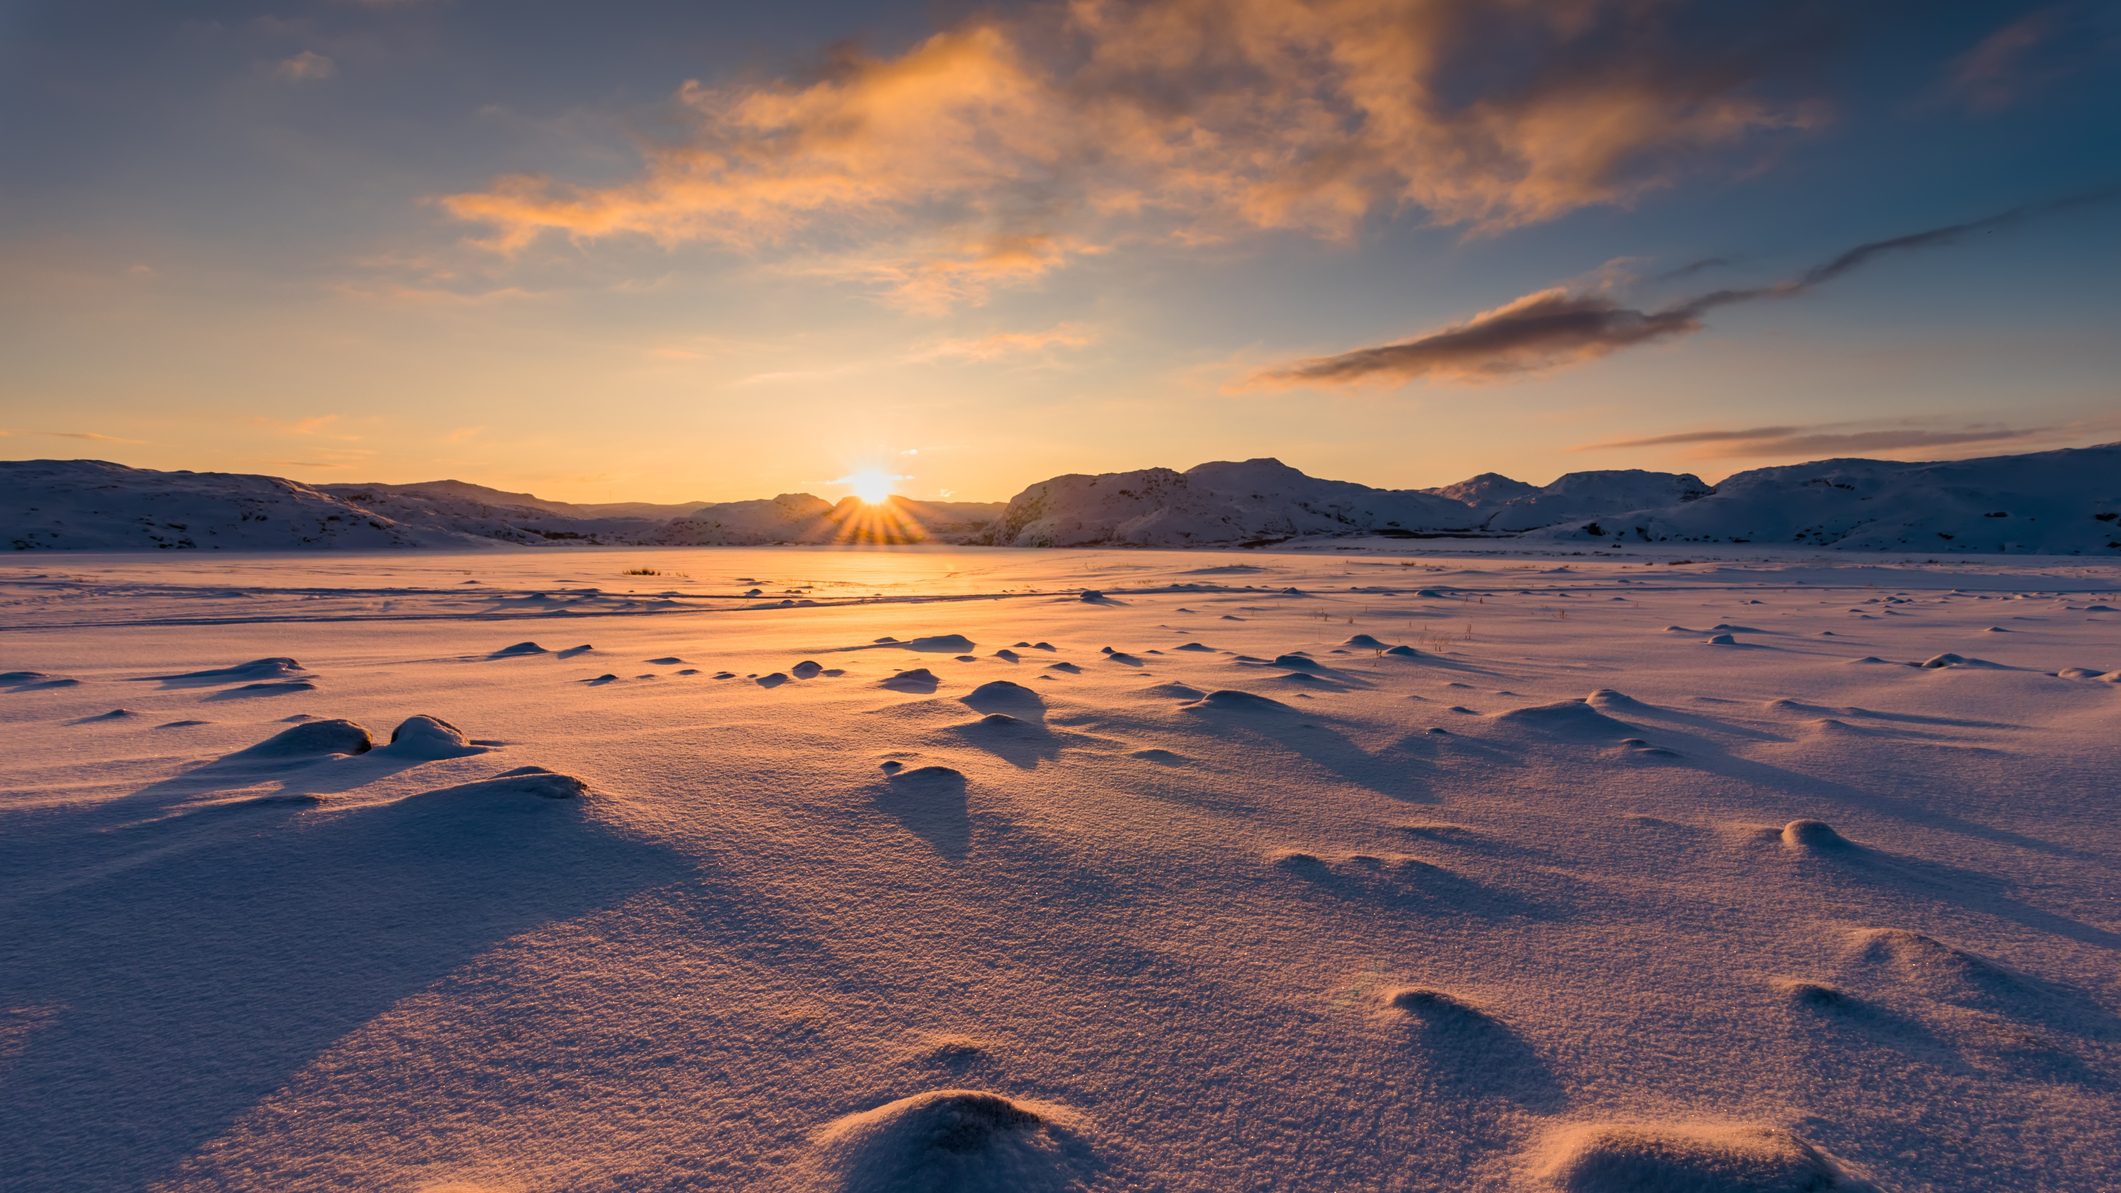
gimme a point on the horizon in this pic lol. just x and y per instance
(667, 255)
(881, 496)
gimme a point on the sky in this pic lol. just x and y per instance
(670, 251)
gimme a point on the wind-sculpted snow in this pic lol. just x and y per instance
(1273, 869)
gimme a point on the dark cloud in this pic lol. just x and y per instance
(1557, 327)
(1535, 332)
(1827, 440)
(1691, 268)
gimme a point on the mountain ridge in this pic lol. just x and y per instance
(2066, 501)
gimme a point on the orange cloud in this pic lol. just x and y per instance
(997, 152)
(1005, 344)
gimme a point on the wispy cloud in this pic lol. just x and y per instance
(316, 424)
(90, 436)
(1007, 147)
(1000, 344)
(1537, 332)
(1825, 440)
(318, 429)
(306, 67)
(1560, 326)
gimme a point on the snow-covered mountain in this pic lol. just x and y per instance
(2064, 502)
(2059, 502)
(1266, 501)
(1489, 490)
(446, 493)
(1586, 494)
(90, 505)
(1218, 503)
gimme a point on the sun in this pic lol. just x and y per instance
(872, 485)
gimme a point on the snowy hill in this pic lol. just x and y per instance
(2059, 502)
(1489, 490)
(1218, 503)
(88, 505)
(1266, 500)
(444, 492)
(503, 517)
(1587, 494)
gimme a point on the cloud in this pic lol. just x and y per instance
(932, 281)
(1556, 327)
(2029, 52)
(305, 67)
(91, 436)
(1539, 331)
(1989, 74)
(1005, 148)
(1825, 440)
(317, 426)
(1002, 344)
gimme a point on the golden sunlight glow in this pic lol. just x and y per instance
(872, 485)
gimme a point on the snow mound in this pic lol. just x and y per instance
(938, 644)
(1003, 696)
(26, 680)
(1948, 659)
(1932, 966)
(430, 737)
(1813, 836)
(1424, 1003)
(926, 778)
(1232, 700)
(920, 679)
(1573, 719)
(257, 670)
(522, 784)
(1364, 642)
(953, 1141)
(312, 739)
(1817, 996)
(1690, 1158)
(518, 650)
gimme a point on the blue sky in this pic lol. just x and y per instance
(674, 251)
